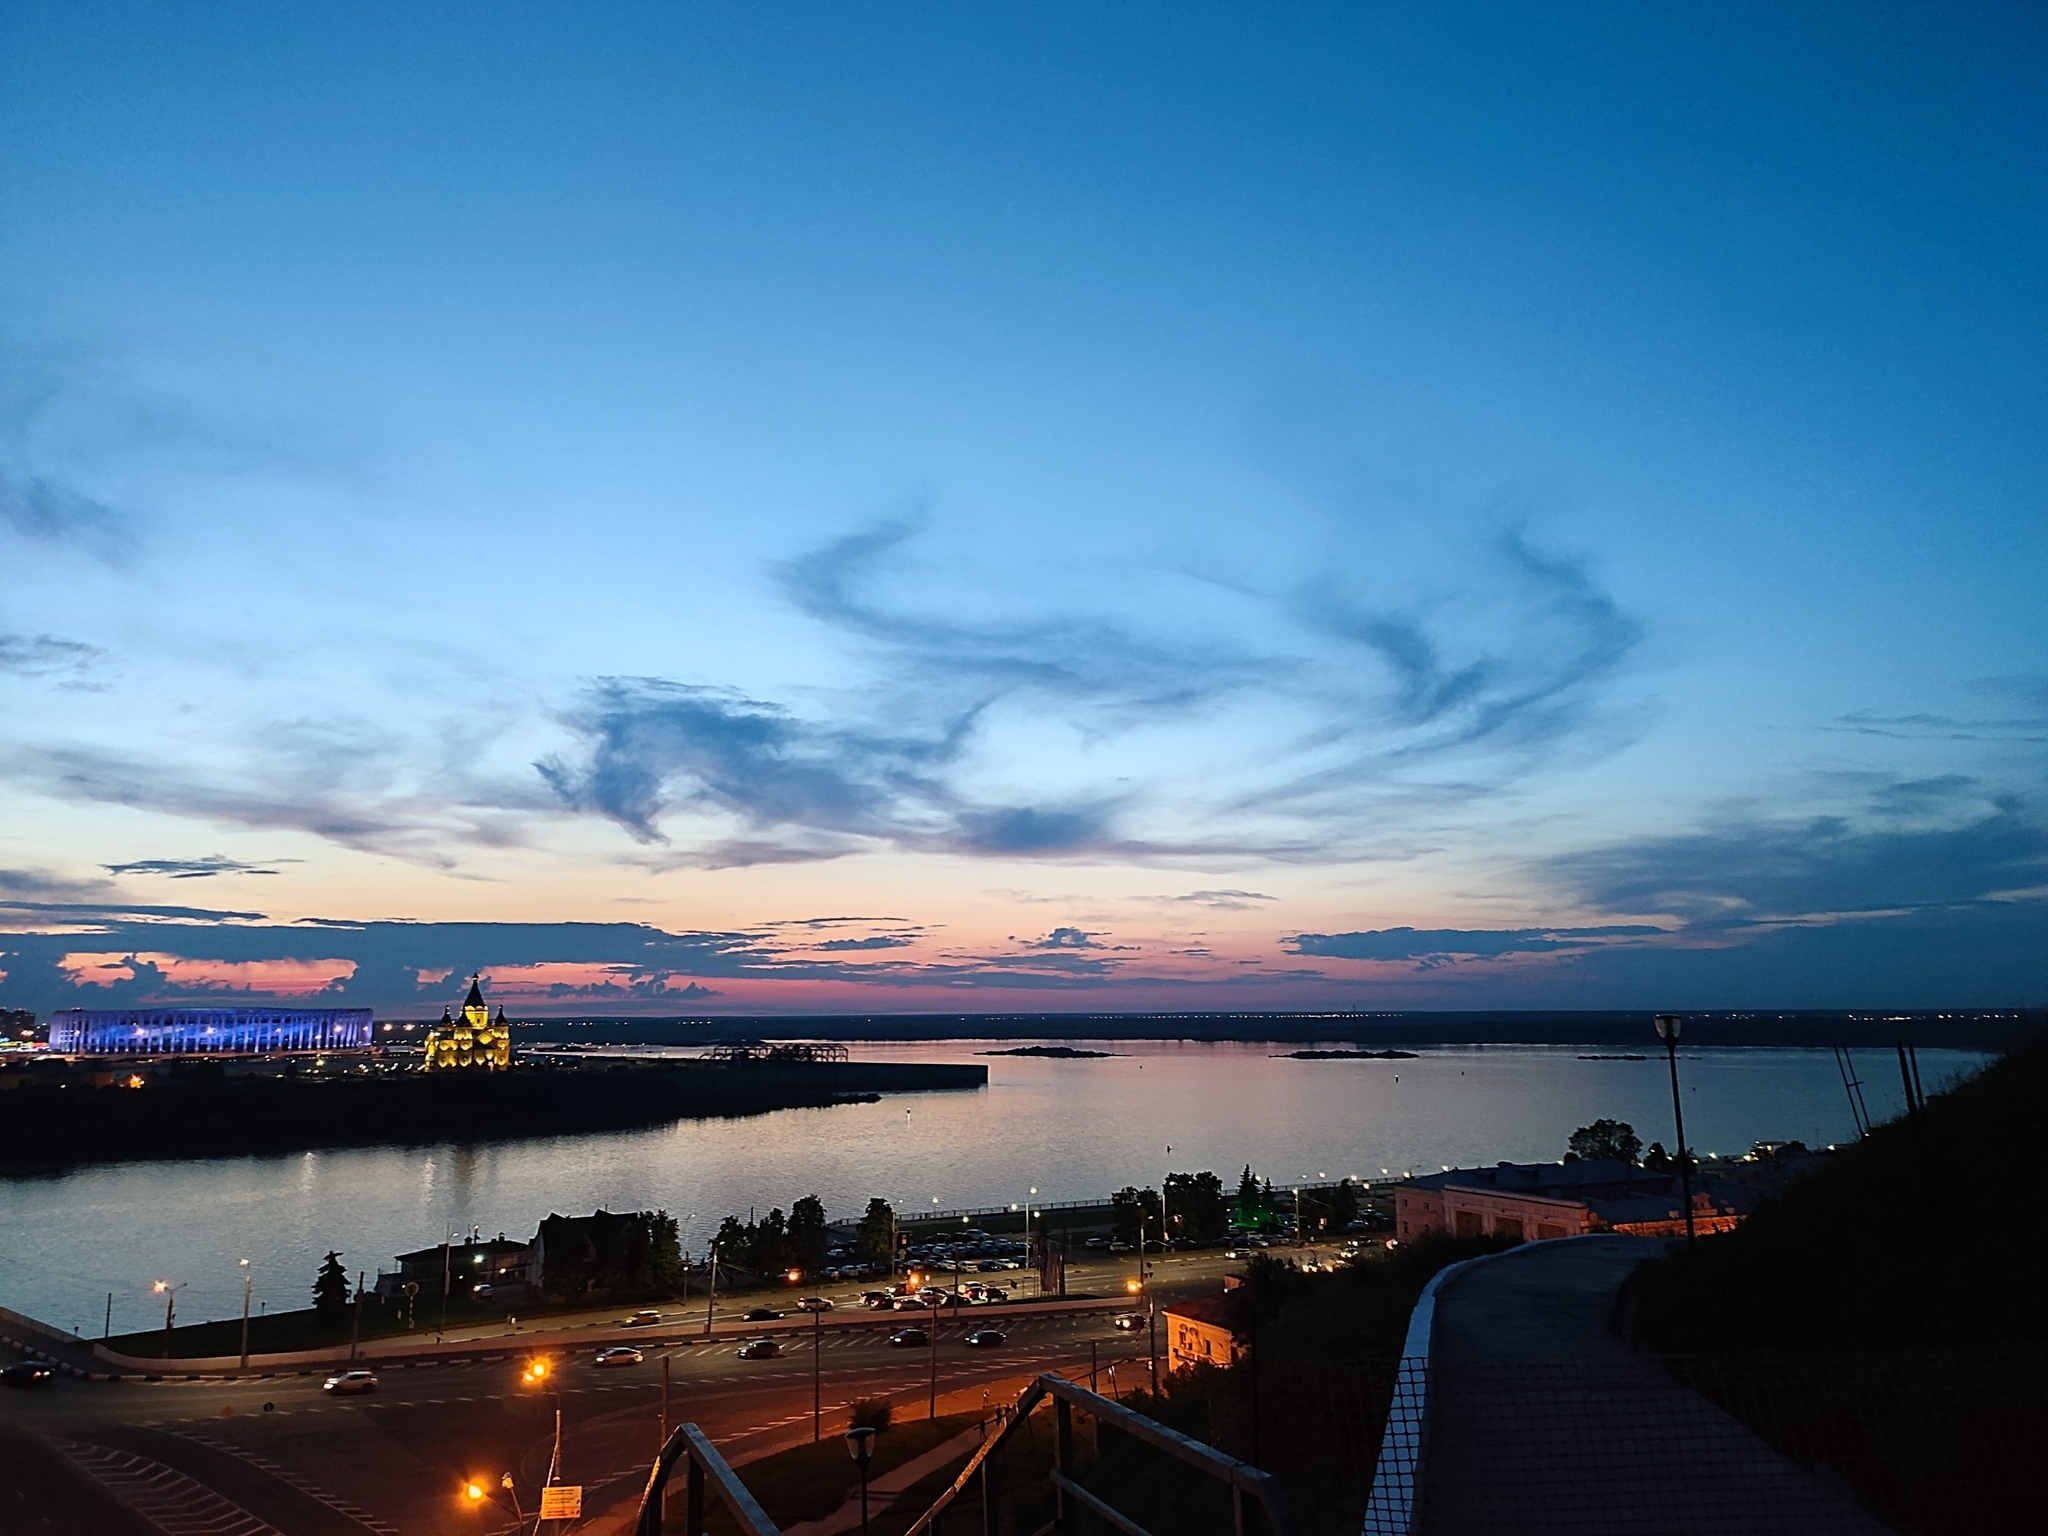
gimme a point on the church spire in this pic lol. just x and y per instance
(476, 993)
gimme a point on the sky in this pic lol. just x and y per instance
(798, 508)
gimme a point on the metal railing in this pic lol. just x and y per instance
(704, 1469)
(1248, 1486)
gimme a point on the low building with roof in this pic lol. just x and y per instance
(1208, 1330)
(1531, 1202)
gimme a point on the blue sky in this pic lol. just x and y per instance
(811, 507)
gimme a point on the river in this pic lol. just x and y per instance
(1074, 1129)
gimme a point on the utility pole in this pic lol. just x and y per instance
(817, 1382)
(248, 1278)
(664, 1406)
(1668, 1025)
(355, 1327)
(711, 1301)
(108, 1333)
(932, 1336)
(447, 1280)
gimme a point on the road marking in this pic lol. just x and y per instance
(284, 1474)
(168, 1499)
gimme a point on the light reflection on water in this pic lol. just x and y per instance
(1075, 1129)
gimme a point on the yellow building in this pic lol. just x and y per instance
(473, 1040)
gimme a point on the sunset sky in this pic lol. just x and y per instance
(740, 508)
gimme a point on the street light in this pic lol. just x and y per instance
(1667, 1030)
(248, 1278)
(169, 1292)
(860, 1445)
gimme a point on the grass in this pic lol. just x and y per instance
(1905, 1240)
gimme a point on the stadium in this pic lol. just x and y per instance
(207, 1031)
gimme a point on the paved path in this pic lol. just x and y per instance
(1541, 1420)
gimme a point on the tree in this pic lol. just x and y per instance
(1194, 1206)
(664, 1253)
(877, 1235)
(733, 1241)
(768, 1254)
(1247, 1192)
(1605, 1139)
(1128, 1206)
(1657, 1160)
(807, 1239)
(330, 1292)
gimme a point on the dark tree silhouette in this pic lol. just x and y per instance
(1615, 1139)
(330, 1292)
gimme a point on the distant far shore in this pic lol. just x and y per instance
(1955, 1029)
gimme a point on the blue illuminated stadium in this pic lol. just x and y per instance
(207, 1031)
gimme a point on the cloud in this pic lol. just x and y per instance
(44, 511)
(1225, 901)
(1432, 947)
(42, 655)
(873, 941)
(1740, 870)
(193, 869)
(1065, 938)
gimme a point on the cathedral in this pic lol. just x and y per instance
(473, 1040)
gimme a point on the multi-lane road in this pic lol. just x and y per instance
(244, 1455)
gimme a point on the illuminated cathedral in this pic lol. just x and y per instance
(474, 1040)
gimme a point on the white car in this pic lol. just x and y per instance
(814, 1304)
(350, 1381)
(623, 1354)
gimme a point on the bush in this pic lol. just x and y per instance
(870, 1413)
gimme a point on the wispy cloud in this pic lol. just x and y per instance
(1430, 948)
(44, 655)
(194, 869)
(1225, 901)
(45, 511)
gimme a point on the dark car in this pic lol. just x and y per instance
(985, 1338)
(910, 1338)
(764, 1315)
(879, 1301)
(28, 1373)
(1128, 1322)
(760, 1349)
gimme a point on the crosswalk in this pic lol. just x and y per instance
(285, 1474)
(168, 1499)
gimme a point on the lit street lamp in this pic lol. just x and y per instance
(860, 1445)
(169, 1292)
(1667, 1031)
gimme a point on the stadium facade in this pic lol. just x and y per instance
(207, 1031)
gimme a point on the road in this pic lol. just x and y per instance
(282, 1454)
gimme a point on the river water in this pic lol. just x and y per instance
(1074, 1129)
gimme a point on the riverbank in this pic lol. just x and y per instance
(67, 1122)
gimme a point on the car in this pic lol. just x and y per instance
(1119, 1246)
(814, 1304)
(984, 1338)
(623, 1354)
(764, 1315)
(910, 1338)
(994, 1293)
(879, 1301)
(24, 1374)
(482, 1290)
(1097, 1242)
(1128, 1322)
(1237, 1253)
(646, 1317)
(910, 1303)
(350, 1381)
(760, 1349)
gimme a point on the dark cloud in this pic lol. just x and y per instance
(874, 941)
(1743, 870)
(193, 869)
(1431, 947)
(1065, 938)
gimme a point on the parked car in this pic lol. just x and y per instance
(909, 1338)
(984, 1338)
(1128, 1322)
(350, 1381)
(24, 1374)
(814, 1304)
(760, 1349)
(646, 1317)
(1097, 1242)
(764, 1315)
(623, 1354)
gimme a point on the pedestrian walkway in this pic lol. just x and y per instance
(1540, 1419)
(892, 1485)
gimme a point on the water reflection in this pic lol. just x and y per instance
(1074, 1128)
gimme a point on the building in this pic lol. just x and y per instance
(1207, 1330)
(497, 1262)
(207, 1031)
(474, 1040)
(1530, 1202)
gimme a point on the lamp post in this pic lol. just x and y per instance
(1667, 1030)
(248, 1278)
(859, 1445)
(170, 1296)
